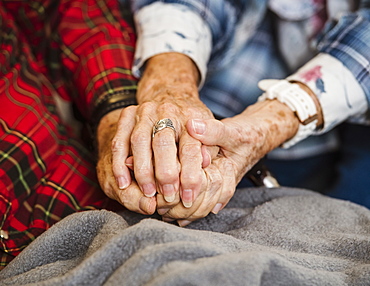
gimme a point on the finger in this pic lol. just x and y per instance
(180, 212)
(131, 197)
(209, 153)
(206, 155)
(130, 163)
(227, 184)
(163, 206)
(191, 159)
(121, 146)
(209, 188)
(211, 197)
(141, 146)
(210, 132)
(166, 164)
(206, 202)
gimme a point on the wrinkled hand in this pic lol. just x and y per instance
(225, 171)
(131, 196)
(243, 140)
(168, 89)
(215, 193)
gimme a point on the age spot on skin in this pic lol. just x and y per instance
(282, 114)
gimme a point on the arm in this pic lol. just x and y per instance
(206, 42)
(168, 89)
(187, 28)
(89, 46)
(339, 75)
(337, 80)
(92, 47)
(243, 140)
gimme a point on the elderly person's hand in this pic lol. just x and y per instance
(216, 191)
(131, 197)
(168, 89)
(243, 140)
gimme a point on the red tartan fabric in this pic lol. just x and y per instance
(82, 50)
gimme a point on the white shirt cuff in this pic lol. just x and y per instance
(163, 28)
(340, 95)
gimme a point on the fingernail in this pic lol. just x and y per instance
(162, 211)
(167, 219)
(184, 222)
(169, 193)
(187, 198)
(217, 208)
(149, 190)
(122, 182)
(131, 167)
(169, 199)
(198, 126)
(129, 161)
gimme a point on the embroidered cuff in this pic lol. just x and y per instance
(297, 100)
(340, 95)
(163, 28)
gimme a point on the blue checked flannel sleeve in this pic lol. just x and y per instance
(348, 40)
(222, 16)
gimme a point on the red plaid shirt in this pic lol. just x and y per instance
(81, 50)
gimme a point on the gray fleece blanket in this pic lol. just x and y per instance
(264, 237)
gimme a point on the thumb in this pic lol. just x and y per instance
(210, 132)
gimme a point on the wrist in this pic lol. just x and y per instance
(106, 130)
(166, 72)
(320, 118)
(303, 104)
(275, 122)
(108, 107)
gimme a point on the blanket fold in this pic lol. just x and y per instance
(280, 236)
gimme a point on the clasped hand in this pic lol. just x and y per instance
(203, 161)
(185, 174)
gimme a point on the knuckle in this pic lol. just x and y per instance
(126, 198)
(117, 145)
(178, 213)
(216, 183)
(127, 112)
(190, 150)
(139, 139)
(216, 179)
(117, 169)
(161, 141)
(168, 107)
(129, 109)
(108, 189)
(148, 105)
(143, 172)
(197, 113)
(228, 193)
(167, 174)
(191, 179)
